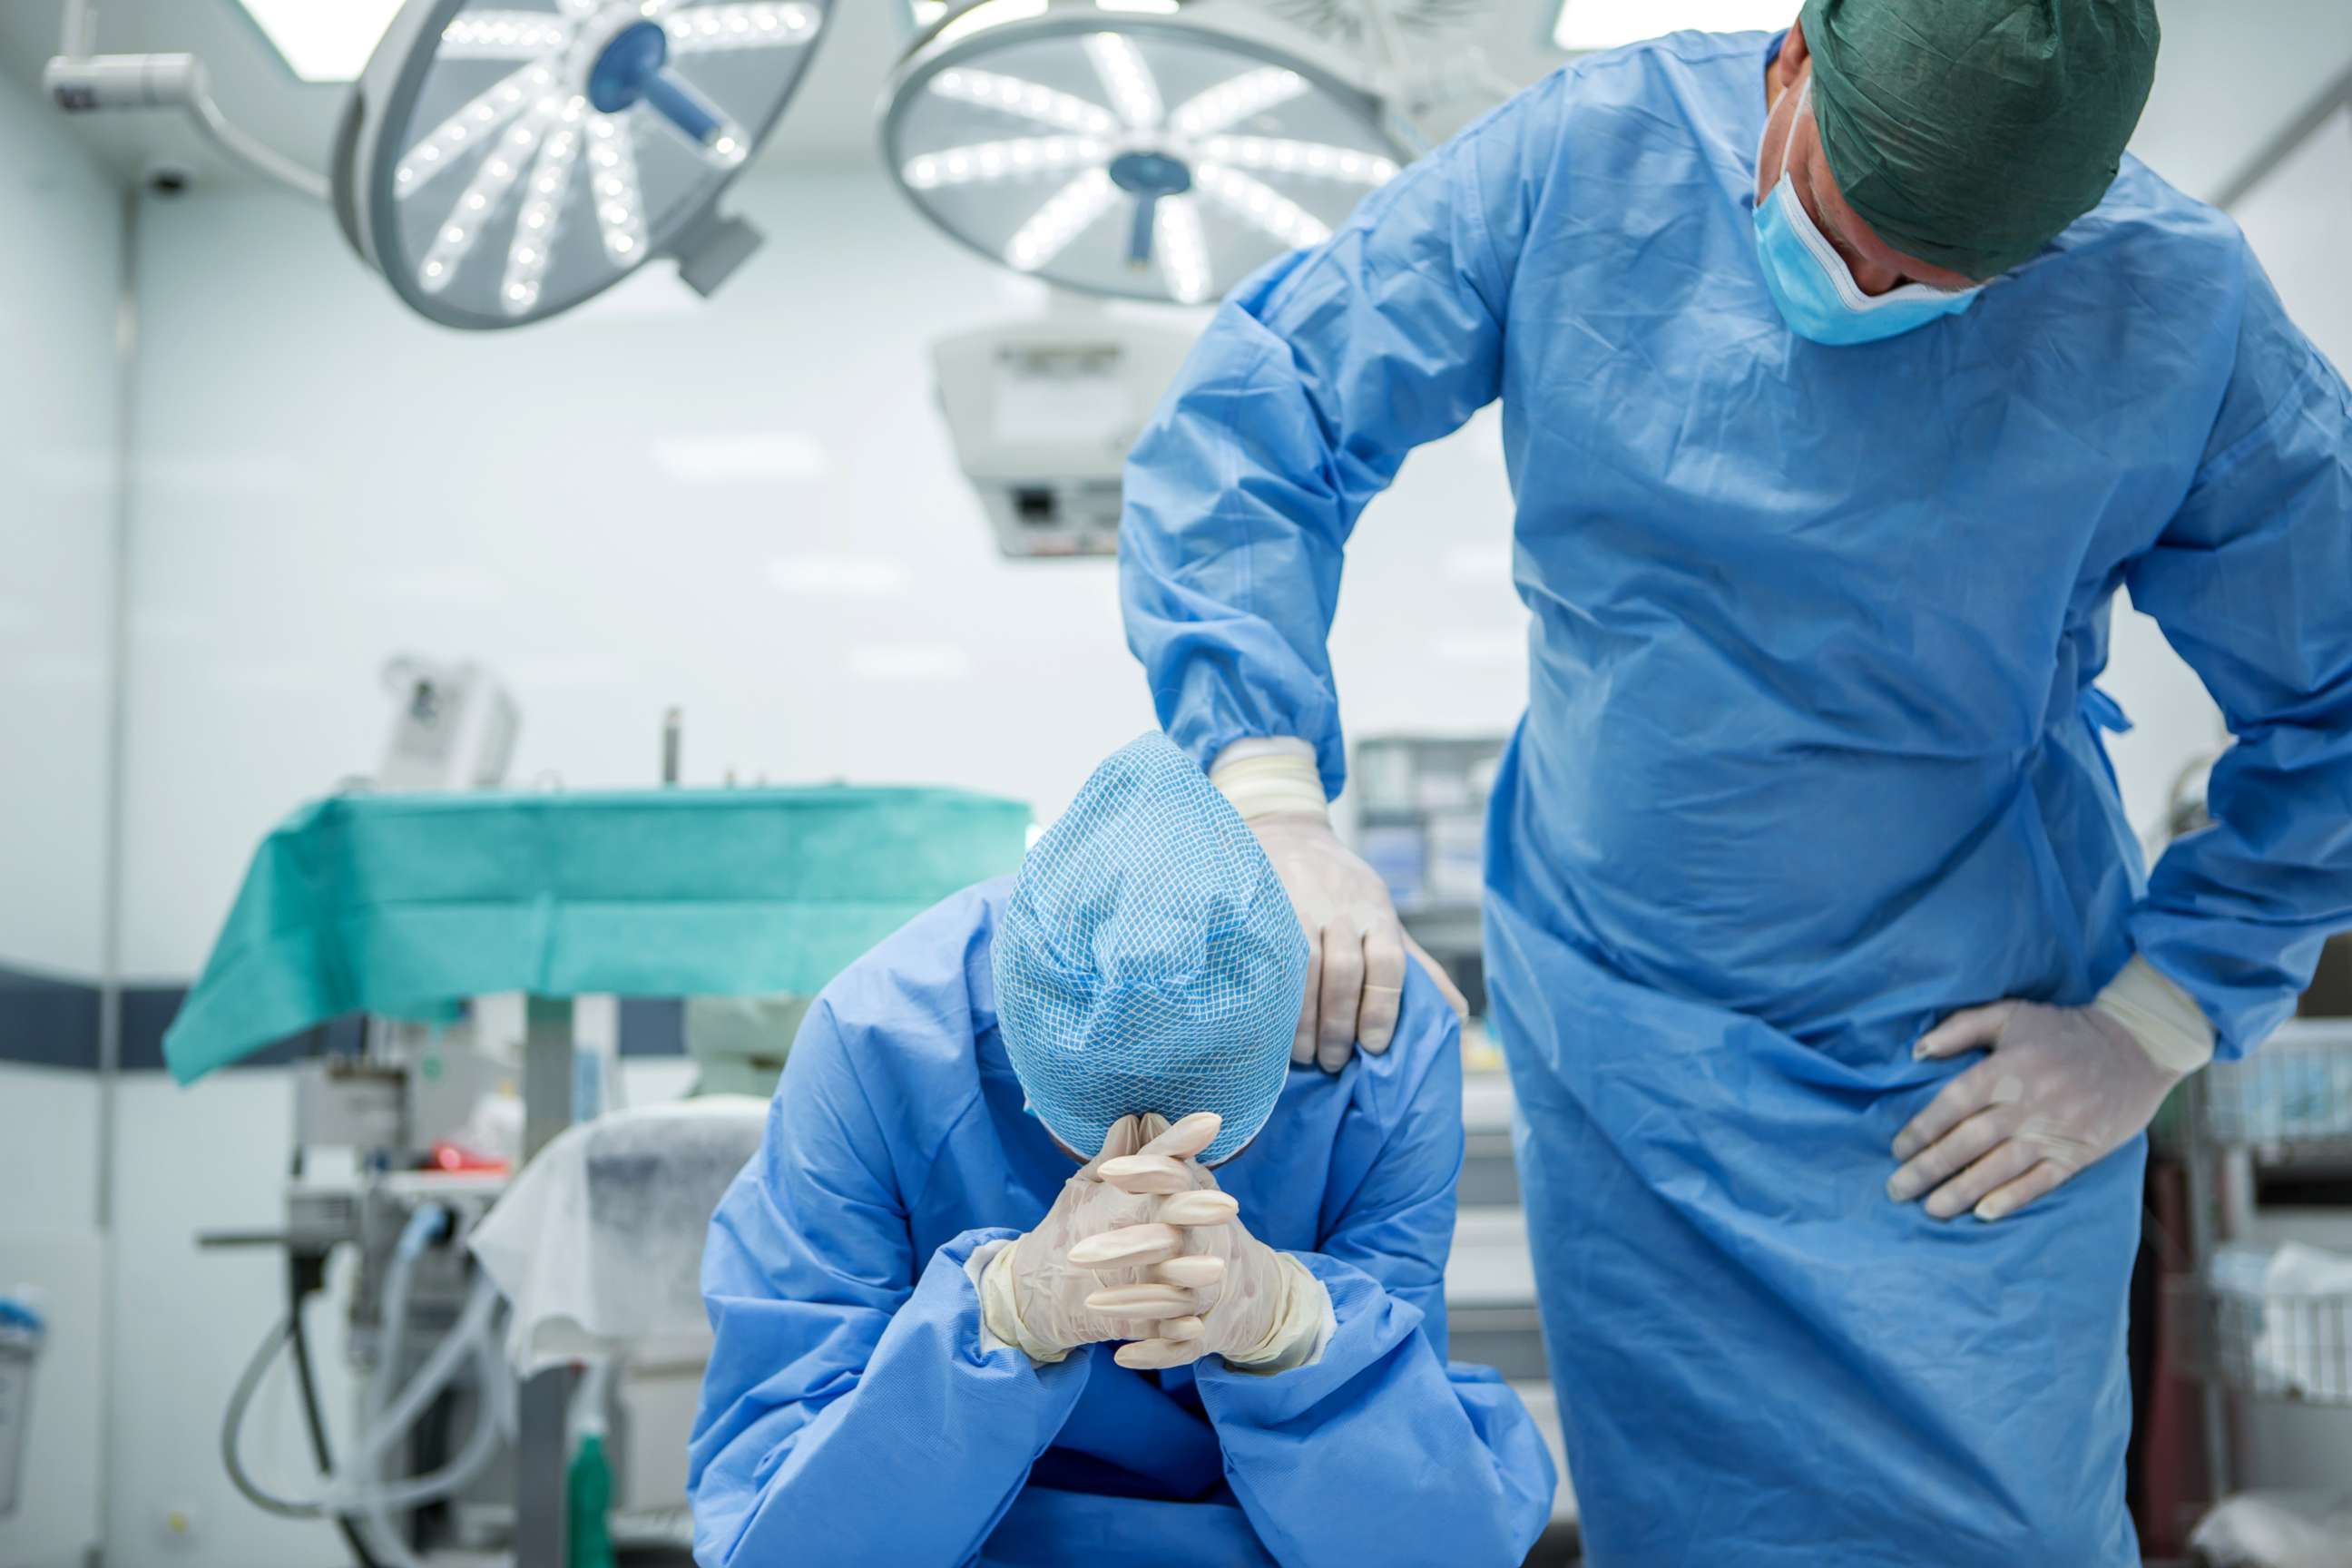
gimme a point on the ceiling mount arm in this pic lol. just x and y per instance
(81, 82)
(2333, 99)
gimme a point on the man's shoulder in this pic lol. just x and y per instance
(1706, 69)
(1416, 1077)
(1428, 1031)
(2145, 215)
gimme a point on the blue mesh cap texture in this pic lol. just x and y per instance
(1149, 959)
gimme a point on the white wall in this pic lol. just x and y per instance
(60, 281)
(59, 274)
(325, 480)
(2231, 72)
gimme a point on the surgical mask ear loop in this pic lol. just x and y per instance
(1805, 97)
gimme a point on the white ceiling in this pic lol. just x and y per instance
(2233, 71)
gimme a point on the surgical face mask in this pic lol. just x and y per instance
(1811, 284)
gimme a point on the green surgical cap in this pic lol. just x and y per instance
(1969, 132)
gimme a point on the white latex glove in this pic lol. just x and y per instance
(2060, 1088)
(1251, 1304)
(1357, 946)
(1042, 1293)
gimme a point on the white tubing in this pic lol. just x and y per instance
(481, 1446)
(382, 1381)
(472, 1325)
(474, 1334)
(423, 1226)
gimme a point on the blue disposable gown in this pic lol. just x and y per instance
(1811, 756)
(850, 1416)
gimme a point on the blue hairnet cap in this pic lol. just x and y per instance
(1149, 959)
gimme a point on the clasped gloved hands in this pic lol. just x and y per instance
(2059, 1089)
(1140, 1246)
(1240, 1286)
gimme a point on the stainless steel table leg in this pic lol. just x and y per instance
(541, 1520)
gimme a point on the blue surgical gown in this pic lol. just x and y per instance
(850, 1415)
(1811, 756)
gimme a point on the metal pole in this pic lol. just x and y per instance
(110, 868)
(541, 1515)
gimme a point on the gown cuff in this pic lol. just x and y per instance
(1303, 1328)
(1268, 774)
(2165, 1019)
(991, 1269)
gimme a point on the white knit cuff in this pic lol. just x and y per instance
(1270, 774)
(1300, 1330)
(1000, 1321)
(2165, 1019)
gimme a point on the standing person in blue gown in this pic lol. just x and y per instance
(1846, 374)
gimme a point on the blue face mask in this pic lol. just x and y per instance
(1816, 292)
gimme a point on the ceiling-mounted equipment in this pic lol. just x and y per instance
(1043, 413)
(1359, 22)
(1421, 53)
(82, 81)
(499, 165)
(1586, 25)
(1132, 148)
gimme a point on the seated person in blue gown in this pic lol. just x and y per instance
(980, 1298)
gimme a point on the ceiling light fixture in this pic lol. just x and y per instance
(1132, 149)
(501, 165)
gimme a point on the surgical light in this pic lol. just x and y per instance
(500, 165)
(1131, 147)
(1585, 25)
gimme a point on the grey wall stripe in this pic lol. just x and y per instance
(49, 1022)
(147, 1011)
(653, 1026)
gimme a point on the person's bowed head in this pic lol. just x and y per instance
(1148, 966)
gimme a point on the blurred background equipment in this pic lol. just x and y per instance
(2254, 1311)
(453, 727)
(496, 1131)
(1582, 24)
(21, 1332)
(1421, 822)
(596, 1243)
(739, 1043)
(1042, 412)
